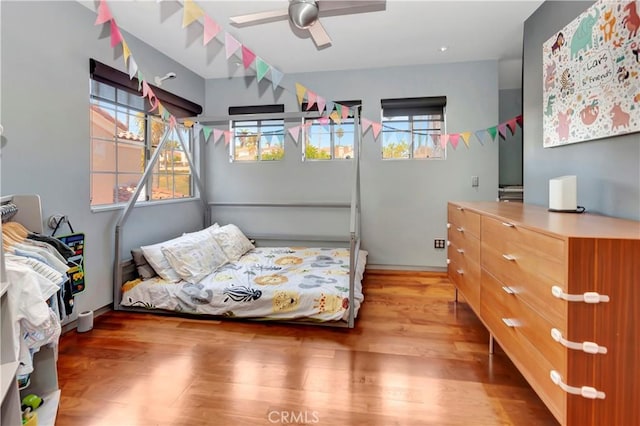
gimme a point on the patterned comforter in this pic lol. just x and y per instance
(269, 283)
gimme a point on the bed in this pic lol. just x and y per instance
(315, 284)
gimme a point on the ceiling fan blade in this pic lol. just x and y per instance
(319, 35)
(260, 17)
(344, 7)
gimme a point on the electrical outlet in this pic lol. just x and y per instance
(475, 181)
(439, 243)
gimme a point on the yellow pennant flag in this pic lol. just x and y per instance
(300, 91)
(125, 52)
(465, 138)
(337, 118)
(188, 123)
(191, 13)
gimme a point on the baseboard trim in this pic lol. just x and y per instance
(72, 325)
(374, 267)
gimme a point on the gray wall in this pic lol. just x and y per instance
(608, 170)
(511, 147)
(403, 202)
(45, 54)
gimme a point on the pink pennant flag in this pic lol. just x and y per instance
(345, 112)
(172, 122)
(145, 88)
(153, 100)
(377, 127)
(311, 99)
(321, 103)
(104, 14)
(519, 120)
(502, 129)
(366, 124)
(511, 124)
(227, 137)
(323, 121)
(294, 132)
(247, 57)
(307, 124)
(443, 141)
(231, 45)
(217, 134)
(116, 36)
(454, 139)
(211, 29)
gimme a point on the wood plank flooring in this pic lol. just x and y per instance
(414, 358)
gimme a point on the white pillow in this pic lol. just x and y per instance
(232, 241)
(204, 231)
(194, 256)
(155, 257)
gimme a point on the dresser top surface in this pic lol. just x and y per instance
(585, 225)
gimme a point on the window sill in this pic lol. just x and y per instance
(112, 207)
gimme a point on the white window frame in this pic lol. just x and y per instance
(259, 125)
(332, 135)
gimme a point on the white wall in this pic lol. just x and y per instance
(403, 202)
(45, 54)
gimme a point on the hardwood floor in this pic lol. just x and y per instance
(414, 358)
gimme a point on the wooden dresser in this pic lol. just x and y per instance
(560, 293)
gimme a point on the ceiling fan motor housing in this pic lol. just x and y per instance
(303, 13)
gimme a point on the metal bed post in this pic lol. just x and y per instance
(354, 234)
(117, 270)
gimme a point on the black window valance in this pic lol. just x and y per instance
(176, 105)
(413, 106)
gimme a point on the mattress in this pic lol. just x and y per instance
(280, 283)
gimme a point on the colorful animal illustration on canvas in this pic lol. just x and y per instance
(619, 118)
(566, 83)
(632, 20)
(274, 279)
(609, 25)
(589, 113)
(582, 39)
(558, 44)
(285, 301)
(623, 74)
(549, 110)
(241, 294)
(550, 77)
(331, 303)
(564, 122)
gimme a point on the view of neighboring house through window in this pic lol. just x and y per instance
(411, 128)
(123, 139)
(257, 139)
(325, 139)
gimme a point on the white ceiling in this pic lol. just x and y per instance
(406, 33)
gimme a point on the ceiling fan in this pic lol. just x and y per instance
(305, 15)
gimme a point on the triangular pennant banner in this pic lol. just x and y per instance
(502, 128)
(323, 120)
(465, 138)
(217, 134)
(116, 36)
(104, 14)
(454, 139)
(206, 131)
(511, 124)
(140, 80)
(261, 68)
(230, 45)
(227, 137)
(366, 124)
(126, 52)
(345, 112)
(145, 89)
(191, 13)
(247, 57)
(480, 136)
(133, 68)
(294, 132)
(338, 110)
(300, 91)
(211, 29)
(188, 123)
(329, 107)
(335, 117)
(311, 99)
(377, 127)
(276, 78)
(321, 103)
(519, 120)
(153, 100)
(172, 122)
(443, 141)
(493, 131)
(279, 138)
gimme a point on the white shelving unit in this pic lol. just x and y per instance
(44, 378)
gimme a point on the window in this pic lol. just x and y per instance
(257, 140)
(123, 139)
(412, 128)
(324, 139)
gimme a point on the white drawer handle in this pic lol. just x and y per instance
(509, 257)
(508, 225)
(460, 272)
(588, 297)
(509, 290)
(460, 229)
(448, 261)
(510, 322)
(588, 347)
(460, 251)
(584, 391)
(448, 243)
(459, 208)
(448, 225)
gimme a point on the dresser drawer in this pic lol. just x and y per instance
(527, 322)
(469, 244)
(463, 219)
(534, 366)
(465, 274)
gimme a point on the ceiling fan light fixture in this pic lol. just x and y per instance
(303, 13)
